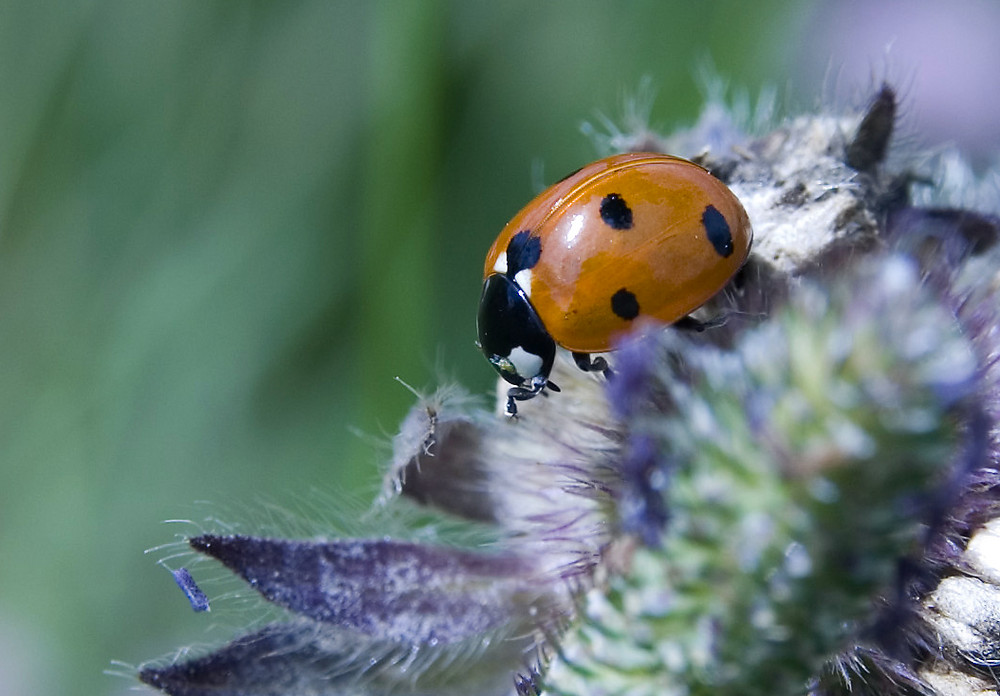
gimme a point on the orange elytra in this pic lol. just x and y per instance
(627, 237)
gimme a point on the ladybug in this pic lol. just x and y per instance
(633, 236)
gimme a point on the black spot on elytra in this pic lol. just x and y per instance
(624, 305)
(615, 212)
(718, 231)
(523, 251)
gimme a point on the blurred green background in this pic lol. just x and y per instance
(225, 227)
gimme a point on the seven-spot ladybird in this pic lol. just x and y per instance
(626, 237)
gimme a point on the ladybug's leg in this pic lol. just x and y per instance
(689, 323)
(588, 364)
(524, 393)
(511, 409)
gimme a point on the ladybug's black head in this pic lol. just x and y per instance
(512, 336)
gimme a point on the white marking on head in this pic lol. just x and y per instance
(500, 265)
(527, 364)
(523, 279)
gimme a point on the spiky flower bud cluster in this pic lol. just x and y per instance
(803, 500)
